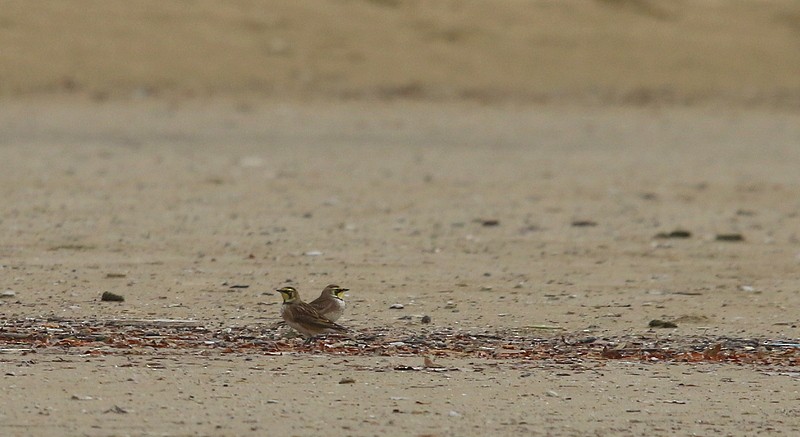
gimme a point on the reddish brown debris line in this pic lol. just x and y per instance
(103, 337)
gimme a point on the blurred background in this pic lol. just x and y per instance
(740, 52)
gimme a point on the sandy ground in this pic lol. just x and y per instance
(505, 168)
(591, 51)
(171, 206)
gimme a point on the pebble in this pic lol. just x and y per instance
(8, 293)
(111, 297)
(116, 409)
(396, 306)
(729, 237)
(678, 233)
(662, 324)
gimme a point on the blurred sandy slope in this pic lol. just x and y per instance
(605, 51)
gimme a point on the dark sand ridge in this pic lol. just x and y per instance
(623, 51)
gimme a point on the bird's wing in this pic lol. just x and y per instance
(310, 316)
(323, 305)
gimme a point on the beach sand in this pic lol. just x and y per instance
(528, 217)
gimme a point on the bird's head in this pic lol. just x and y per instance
(289, 294)
(336, 291)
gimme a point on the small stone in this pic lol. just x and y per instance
(426, 319)
(313, 253)
(662, 324)
(552, 394)
(730, 237)
(678, 233)
(428, 362)
(115, 275)
(347, 381)
(396, 306)
(111, 297)
(454, 414)
(8, 293)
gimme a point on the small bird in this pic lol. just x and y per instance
(303, 317)
(330, 302)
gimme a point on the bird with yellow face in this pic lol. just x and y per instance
(330, 302)
(303, 317)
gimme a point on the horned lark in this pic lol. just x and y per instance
(331, 302)
(303, 317)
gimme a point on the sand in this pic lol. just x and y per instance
(532, 51)
(172, 207)
(522, 209)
